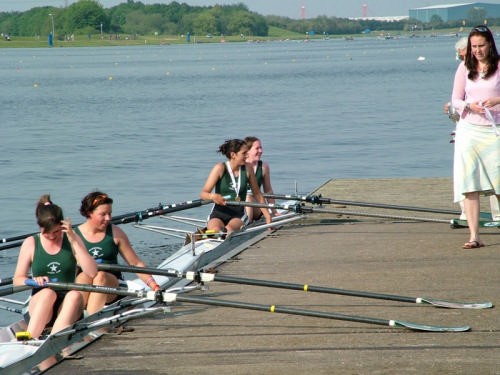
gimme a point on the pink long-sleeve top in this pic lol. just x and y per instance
(466, 91)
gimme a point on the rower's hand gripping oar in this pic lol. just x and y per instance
(207, 277)
(169, 297)
(130, 217)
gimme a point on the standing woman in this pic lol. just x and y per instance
(262, 175)
(476, 96)
(231, 180)
(53, 254)
(104, 241)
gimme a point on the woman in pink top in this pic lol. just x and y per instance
(476, 97)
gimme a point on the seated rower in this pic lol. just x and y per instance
(104, 241)
(262, 174)
(230, 179)
(52, 254)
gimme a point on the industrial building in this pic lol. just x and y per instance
(456, 12)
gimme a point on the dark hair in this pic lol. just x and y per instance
(48, 215)
(231, 145)
(250, 140)
(471, 62)
(92, 200)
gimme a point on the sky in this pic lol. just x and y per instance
(286, 8)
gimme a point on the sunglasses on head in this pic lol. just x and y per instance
(481, 29)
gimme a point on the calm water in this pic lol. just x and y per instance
(144, 123)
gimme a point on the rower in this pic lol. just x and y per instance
(230, 179)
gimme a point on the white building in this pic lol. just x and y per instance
(456, 12)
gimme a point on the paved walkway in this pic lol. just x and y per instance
(379, 255)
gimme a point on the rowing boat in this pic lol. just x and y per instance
(198, 253)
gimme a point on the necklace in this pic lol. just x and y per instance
(483, 71)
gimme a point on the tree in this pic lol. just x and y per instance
(85, 15)
(138, 22)
(204, 23)
(242, 22)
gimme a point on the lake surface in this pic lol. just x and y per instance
(143, 123)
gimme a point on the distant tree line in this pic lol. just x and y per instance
(135, 18)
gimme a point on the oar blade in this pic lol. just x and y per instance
(457, 305)
(427, 328)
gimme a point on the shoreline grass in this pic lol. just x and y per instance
(275, 34)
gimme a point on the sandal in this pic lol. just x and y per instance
(472, 245)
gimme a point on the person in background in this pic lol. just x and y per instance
(104, 241)
(262, 174)
(230, 181)
(476, 97)
(53, 254)
(460, 50)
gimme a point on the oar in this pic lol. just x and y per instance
(17, 238)
(318, 199)
(136, 216)
(300, 208)
(6, 281)
(173, 297)
(162, 209)
(207, 277)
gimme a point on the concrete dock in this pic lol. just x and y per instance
(384, 255)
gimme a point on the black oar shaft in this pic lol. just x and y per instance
(6, 281)
(282, 310)
(207, 277)
(16, 238)
(255, 282)
(367, 214)
(172, 297)
(299, 208)
(317, 199)
(11, 245)
(155, 211)
(312, 288)
(129, 217)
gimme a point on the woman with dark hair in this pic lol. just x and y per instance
(104, 241)
(53, 254)
(230, 181)
(476, 97)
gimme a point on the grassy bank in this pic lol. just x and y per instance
(107, 40)
(124, 40)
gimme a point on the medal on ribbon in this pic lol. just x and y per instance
(235, 185)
